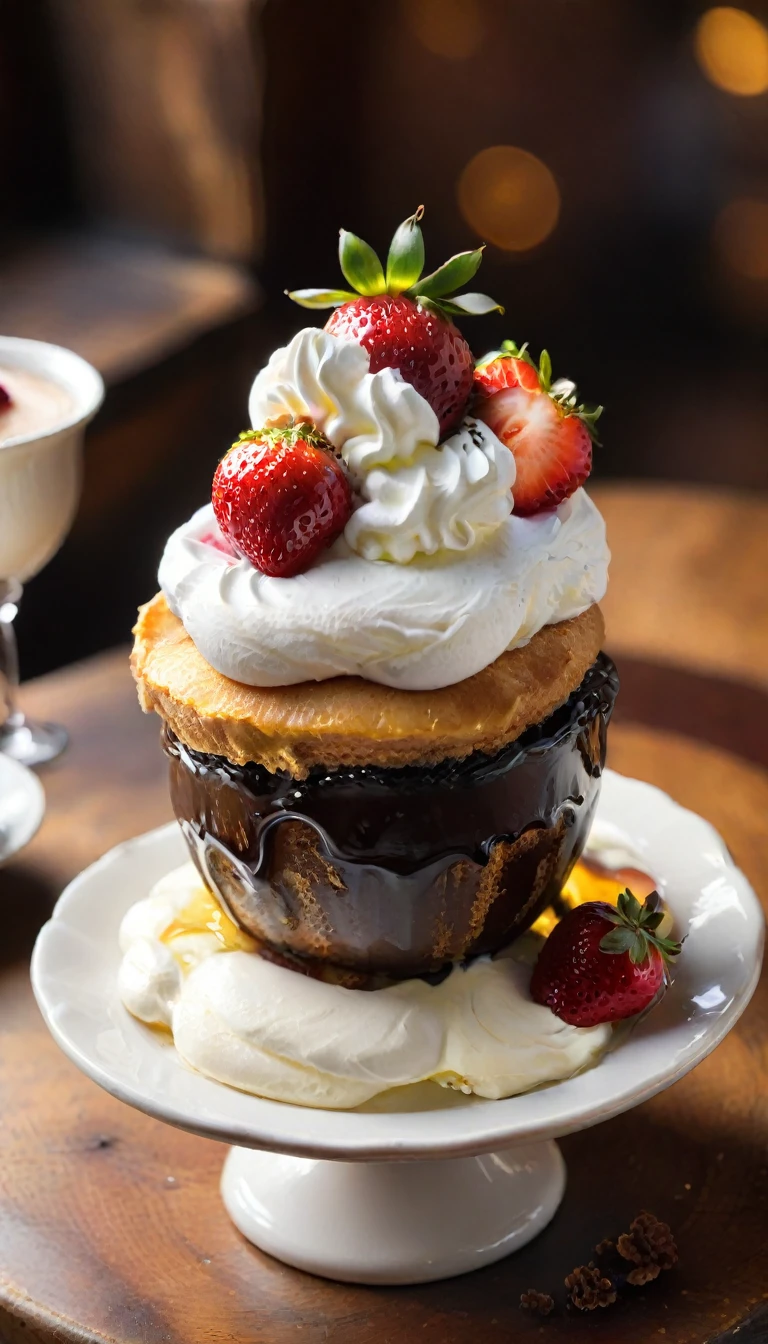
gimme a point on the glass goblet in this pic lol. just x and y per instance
(40, 474)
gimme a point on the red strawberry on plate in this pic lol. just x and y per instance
(602, 962)
(404, 321)
(540, 421)
(280, 496)
(6, 400)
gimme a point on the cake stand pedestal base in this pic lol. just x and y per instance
(393, 1222)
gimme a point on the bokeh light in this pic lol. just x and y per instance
(453, 29)
(509, 197)
(741, 237)
(732, 50)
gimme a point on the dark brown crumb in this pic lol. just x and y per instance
(588, 1288)
(643, 1274)
(650, 1245)
(603, 1247)
(541, 1303)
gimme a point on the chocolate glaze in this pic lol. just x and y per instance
(399, 871)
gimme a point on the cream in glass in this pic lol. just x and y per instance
(49, 396)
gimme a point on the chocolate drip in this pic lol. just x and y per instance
(400, 871)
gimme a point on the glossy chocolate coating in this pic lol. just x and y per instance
(400, 871)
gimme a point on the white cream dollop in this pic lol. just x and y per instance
(149, 981)
(416, 497)
(271, 1031)
(441, 500)
(150, 975)
(419, 626)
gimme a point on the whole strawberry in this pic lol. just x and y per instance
(541, 423)
(403, 321)
(602, 963)
(281, 496)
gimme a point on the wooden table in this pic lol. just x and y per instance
(110, 1223)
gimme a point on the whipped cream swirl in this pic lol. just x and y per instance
(271, 1031)
(419, 626)
(416, 497)
(442, 499)
(373, 418)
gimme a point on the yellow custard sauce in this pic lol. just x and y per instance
(589, 881)
(204, 915)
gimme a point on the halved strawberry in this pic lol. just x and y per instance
(553, 451)
(540, 421)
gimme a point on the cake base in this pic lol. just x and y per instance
(393, 1222)
(400, 872)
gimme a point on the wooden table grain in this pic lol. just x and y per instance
(111, 1228)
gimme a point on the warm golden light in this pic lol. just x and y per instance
(589, 882)
(741, 237)
(732, 50)
(453, 29)
(509, 197)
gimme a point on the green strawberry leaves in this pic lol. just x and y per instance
(406, 254)
(464, 305)
(636, 929)
(360, 266)
(288, 433)
(459, 270)
(437, 290)
(320, 298)
(363, 271)
(618, 940)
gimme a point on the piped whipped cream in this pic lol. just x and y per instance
(415, 497)
(373, 418)
(419, 626)
(271, 1031)
(444, 499)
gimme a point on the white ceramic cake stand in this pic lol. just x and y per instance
(426, 1183)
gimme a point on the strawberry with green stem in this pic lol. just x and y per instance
(403, 319)
(602, 963)
(280, 496)
(542, 422)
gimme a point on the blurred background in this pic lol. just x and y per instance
(170, 166)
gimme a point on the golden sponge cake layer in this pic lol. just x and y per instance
(349, 721)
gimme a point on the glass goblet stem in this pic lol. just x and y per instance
(26, 741)
(10, 595)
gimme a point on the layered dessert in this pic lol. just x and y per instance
(376, 655)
